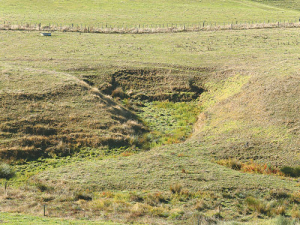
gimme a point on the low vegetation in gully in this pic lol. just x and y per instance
(190, 126)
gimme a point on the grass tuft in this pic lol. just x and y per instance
(176, 188)
(257, 205)
(83, 196)
(250, 167)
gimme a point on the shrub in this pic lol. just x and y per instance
(290, 171)
(6, 171)
(287, 171)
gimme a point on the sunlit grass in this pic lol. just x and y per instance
(132, 13)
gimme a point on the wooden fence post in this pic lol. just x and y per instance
(5, 187)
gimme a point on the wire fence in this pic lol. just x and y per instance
(148, 28)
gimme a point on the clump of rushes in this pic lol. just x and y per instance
(257, 205)
(250, 167)
(176, 188)
(231, 163)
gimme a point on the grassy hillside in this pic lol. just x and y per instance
(128, 13)
(249, 111)
(290, 4)
(79, 112)
(47, 113)
(16, 219)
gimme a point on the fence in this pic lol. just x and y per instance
(152, 28)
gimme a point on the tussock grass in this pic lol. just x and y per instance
(14, 218)
(251, 167)
(59, 118)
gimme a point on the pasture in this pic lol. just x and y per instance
(162, 128)
(119, 13)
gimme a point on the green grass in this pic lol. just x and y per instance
(26, 169)
(15, 219)
(169, 122)
(33, 81)
(157, 170)
(251, 69)
(290, 4)
(92, 51)
(249, 111)
(150, 12)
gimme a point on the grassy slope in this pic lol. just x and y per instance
(30, 220)
(47, 112)
(255, 70)
(252, 69)
(116, 12)
(25, 219)
(290, 4)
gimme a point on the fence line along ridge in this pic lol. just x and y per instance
(152, 28)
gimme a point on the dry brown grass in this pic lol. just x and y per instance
(295, 212)
(61, 121)
(250, 167)
(176, 188)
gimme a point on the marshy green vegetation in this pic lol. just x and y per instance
(164, 128)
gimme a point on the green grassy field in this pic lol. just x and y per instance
(129, 13)
(30, 220)
(132, 128)
(16, 219)
(290, 4)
